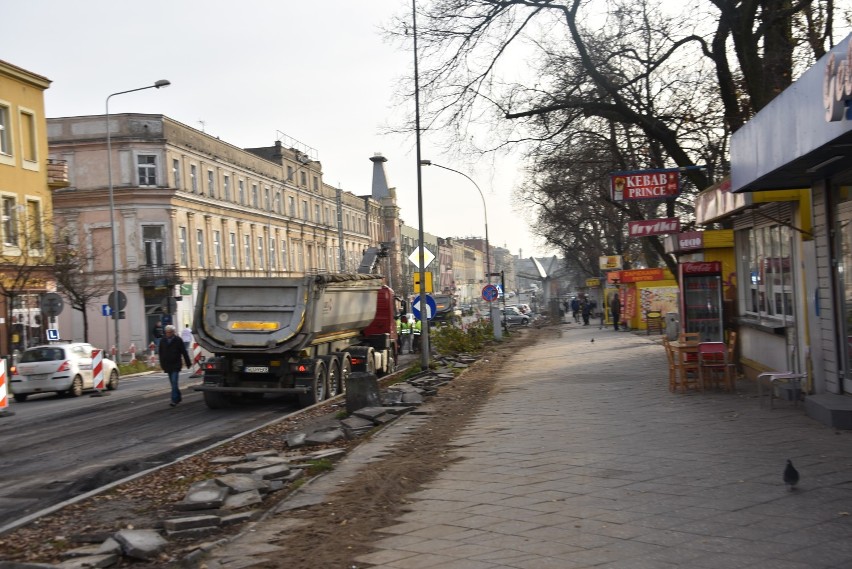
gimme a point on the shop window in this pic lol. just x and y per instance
(766, 270)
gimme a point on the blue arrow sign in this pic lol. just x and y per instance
(106, 310)
(431, 308)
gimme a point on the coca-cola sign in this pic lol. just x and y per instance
(701, 267)
(645, 185)
(649, 227)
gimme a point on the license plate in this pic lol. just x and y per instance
(256, 369)
(39, 376)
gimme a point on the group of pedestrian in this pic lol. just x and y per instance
(584, 307)
(409, 334)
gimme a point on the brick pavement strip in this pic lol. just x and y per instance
(590, 461)
(582, 458)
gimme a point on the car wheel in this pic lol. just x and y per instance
(21, 397)
(76, 389)
(112, 384)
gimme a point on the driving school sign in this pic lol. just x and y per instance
(645, 185)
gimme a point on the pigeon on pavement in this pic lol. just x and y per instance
(791, 476)
(593, 340)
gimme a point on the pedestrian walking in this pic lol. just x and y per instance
(171, 352)
(186, 336)
(416, 329)
(615, 310)
(404, 330)
(575, 309)
(586, 310)
(157, 334)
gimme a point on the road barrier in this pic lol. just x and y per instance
(196, 360)
(98, 369)
(4, 392)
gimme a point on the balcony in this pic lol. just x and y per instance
(57, 174)
(159, 276)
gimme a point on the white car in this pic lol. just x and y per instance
(59, 368)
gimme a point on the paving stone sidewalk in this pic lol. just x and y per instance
(584, 459)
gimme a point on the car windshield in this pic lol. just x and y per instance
(42, 355)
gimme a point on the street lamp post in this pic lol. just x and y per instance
(485, 211)
(115, 302)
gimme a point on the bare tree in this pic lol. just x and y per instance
(75, 278)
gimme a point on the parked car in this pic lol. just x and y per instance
(525, 308)
(514, 317)
(59, 368)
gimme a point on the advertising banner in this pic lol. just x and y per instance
(645, 185)
(650, 227)
(642, 275)
(610, 262)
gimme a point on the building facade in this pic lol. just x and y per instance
(189, 205)
(26, 179)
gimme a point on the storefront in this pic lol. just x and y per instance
(796, 286)
(642, 291)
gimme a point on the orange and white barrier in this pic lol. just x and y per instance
(98, 369)
(196, 360)
(4, 392)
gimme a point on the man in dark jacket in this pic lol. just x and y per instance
(171, 351)
(615, 310)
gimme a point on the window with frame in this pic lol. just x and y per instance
(193, 178)
(183, 246)
(211, 184)
(317, 217)
(232, 244)
(260, 254)
(316, 184)
(291, 206)
(289, 173)
(266, 203)
(254, 196)
(146, 166)
(241, 190)
(301, 256)
(10, 221)
(273, 259)
(305, 210)
(277, 202)
(29, 150)
(176, 173)
(303, 179)
(284, 261)
(35, 226)
(247, 251)
(199, 243)
(152, 242)
(766, 265)
(217, 249)
(5, 144)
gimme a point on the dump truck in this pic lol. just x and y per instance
(292, 335)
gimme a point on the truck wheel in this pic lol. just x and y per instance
(332, 364)
(391, 363)
(216, 400)
(317, 386)
(345, 370)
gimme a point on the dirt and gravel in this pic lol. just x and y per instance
(328, 535)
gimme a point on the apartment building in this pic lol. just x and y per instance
(188, 205)
(26, 179)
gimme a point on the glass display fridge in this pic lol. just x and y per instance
(701, 299)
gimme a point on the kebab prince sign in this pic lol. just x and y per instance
(645, 185)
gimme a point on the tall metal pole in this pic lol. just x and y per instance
(116, 311)
(497, 331)
(424, 337)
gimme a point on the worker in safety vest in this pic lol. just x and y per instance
(403, 328)
(415, 336)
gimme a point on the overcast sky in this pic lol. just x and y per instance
(318, 71)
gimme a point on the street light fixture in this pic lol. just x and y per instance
(115, 302)
(485, 211)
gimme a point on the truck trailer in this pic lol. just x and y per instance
(292, 335)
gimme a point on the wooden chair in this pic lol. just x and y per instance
(654, 323)
(683, 371)
(689, 337)
(713, 365)
(732, 357)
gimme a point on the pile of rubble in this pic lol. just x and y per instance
(243, 483)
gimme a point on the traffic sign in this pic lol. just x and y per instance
(431, 307)
(490, 293)
(428, 257)
(51, 304)
(106, 310)
(52, 334)
(122, 300)
(428, 287)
